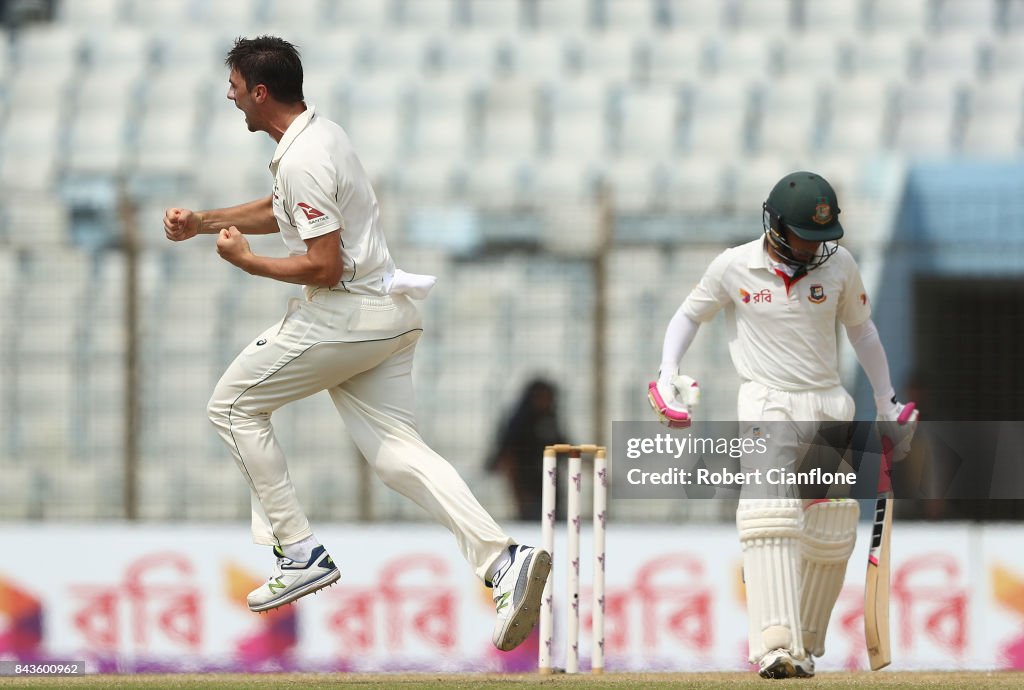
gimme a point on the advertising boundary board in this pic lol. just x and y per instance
(154, 597)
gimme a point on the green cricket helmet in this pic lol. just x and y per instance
(806, 204)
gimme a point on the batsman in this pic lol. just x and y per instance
(784, 295)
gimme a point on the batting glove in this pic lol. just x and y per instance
(672, 397)
(897, 423)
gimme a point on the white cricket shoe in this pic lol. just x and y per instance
(776, 664)
(517, 591)
(804, 667)
(292, 580)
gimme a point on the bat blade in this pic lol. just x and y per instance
(876, 587)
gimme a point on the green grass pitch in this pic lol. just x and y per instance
(412, 681)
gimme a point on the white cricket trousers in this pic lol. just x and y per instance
(787, 602)
(792, 418)
(359, 349)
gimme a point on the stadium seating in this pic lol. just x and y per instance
(976, 17)
(694, 14)
(927, 117)
(478, 55)
(611, 55)
(717, 120)
(828, 17)
(485, 124)
(538, 56)
(638, 18)
(75, 489)
(772, 17)
(675, 57)
(442, 118)
(503, 15)
(743, 55)
(817, 57)
(495, 181)
(648, 121)
(698, 182)
(898, 15)
(510, 111)
(402, 51)
(1006, 58)
(29, 143)
(995, 113)
(630, 181)
(1013, 19)
(91, 12)
(576, 118)
(433, 15)
(564, 15)
(358, 13)
(955, 57)
(788, 117)
(882, 53)
(376, 113)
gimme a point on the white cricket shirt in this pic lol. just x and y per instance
(320, 186)
(782, 333)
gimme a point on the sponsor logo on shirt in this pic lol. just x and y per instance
(817, 294)
(312, 214)
(764, 295)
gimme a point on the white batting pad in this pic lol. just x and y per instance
(770, 531)
(830, 530)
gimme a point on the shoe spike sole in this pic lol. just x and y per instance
(292, 601)
(518, 632)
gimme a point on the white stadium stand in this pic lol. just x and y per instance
(638, 18)
(677, 56)
(501, 15)
(648, 121)
(773, 17)
(976, 16)
(488, 126)
(927, 114)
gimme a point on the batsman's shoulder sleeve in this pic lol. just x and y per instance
(311, 193)
(854, 305)
(711, 294)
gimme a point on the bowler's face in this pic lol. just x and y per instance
(238, 93)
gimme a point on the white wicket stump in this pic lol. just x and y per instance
(573, 523)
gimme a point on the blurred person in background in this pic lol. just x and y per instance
(354, 335)
(784, 295)
(519, 452)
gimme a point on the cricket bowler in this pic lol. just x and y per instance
(784, 295)
(353, 335)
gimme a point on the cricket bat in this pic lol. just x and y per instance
(876, 584)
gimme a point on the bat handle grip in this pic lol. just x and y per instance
(885, 471)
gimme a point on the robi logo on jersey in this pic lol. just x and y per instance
(312, 214)
(763, 295)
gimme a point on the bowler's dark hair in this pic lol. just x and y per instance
(271, 61)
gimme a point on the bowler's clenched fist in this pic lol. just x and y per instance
(180, 224)
(232, 246)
